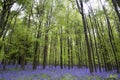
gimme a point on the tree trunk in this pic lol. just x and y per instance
(71, 52)
(45, 51)
(61, 51)
(111, 38)
(85, 32)
(5, 13)
(68, 52)
(116, 8)
(92, 50)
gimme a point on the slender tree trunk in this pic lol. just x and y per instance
(111, 38)
(23, 61)
(35, 60)
(116, 8)
(98, 36)
(37, 48)
(71, 53)
(5, 13)
(68, 52)
(55, 58)
(45, 51)
(61, 51)
(92, 50)
(86, 36)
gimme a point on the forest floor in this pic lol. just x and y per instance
(51, 73)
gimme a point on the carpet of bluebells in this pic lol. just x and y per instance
(51, 73)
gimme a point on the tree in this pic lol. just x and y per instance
(80, 7)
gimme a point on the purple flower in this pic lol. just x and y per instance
(51, 73)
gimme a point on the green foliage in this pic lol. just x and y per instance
(26, 2)
(117, 42)
(1, 54)
(68, 77)
(113, 76)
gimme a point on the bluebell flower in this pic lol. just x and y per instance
(51, 73)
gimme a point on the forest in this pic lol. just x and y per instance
(59, 39)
